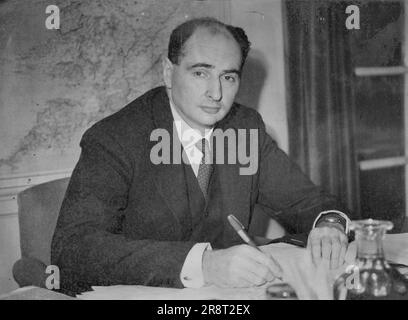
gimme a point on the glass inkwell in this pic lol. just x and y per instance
(280, 291)
(371, 277)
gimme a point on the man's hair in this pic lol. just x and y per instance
(184, 31)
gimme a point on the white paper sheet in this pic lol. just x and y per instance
(130, 292)
(396, 248)
(309, 280)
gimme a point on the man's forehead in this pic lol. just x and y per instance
(215, 47)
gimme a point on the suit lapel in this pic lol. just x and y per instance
(235, 189)
(170, 178)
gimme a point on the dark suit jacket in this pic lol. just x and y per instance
(125, 220)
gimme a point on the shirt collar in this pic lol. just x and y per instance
(187, 135)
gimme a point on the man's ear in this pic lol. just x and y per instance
(167, 71)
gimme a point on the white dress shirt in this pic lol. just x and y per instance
(191, 273)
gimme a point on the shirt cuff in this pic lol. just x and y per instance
(192, 271)
(342, 214)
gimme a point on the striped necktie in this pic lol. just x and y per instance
(205, 169)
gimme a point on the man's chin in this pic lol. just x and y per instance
(209, 124)
(210, 120)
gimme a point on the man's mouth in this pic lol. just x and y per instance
(211, 110)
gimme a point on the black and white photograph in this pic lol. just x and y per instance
(231, 150)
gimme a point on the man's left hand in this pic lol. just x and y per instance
(328, 243)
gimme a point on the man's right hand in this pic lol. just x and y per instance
(238, 266)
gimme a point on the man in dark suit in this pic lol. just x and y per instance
(128, 218)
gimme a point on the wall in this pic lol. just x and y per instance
(264, 82)
(56, 83)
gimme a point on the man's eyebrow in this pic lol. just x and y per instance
(201, 65)
(209, 66)
(232, 71)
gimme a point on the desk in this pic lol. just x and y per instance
(123, 292)
(157, 293)
(35, 293)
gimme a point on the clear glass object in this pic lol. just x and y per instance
(371, 277)
(280, 291)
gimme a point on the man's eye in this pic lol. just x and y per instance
(230, 78)
(199, 74)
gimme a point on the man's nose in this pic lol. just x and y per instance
(215, 90)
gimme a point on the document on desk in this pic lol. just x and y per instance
(132, 292)
(310, 280)
(396, 248)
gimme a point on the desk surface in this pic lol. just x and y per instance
(153, 293)
(123, 292)
(34, 293)
(136, 292)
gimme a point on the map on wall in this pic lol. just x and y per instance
(55, 84)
